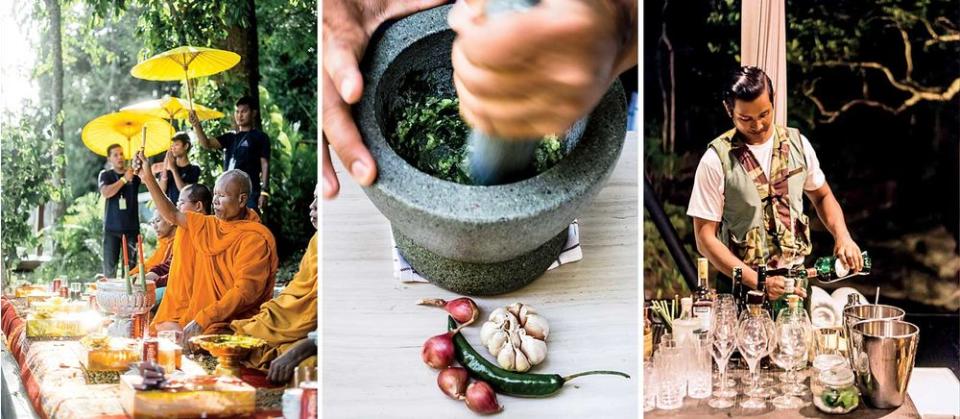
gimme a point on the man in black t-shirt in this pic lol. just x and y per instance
(247, 149)
(121, 217)
(172, 181)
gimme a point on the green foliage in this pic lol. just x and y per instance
(661, 278)
(27, 167)
(78, 240)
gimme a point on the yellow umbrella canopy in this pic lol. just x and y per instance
(125, 128)
(185, 62)
(173, 108)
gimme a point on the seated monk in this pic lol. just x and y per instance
(285, 321)
(193, 198)
(162, 252)
(233, 257)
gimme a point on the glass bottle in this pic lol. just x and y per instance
(702, 304)
(686, 324)
(831, 269)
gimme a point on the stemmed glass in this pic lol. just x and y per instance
(724, 342)
(790, 352)
(753, 340)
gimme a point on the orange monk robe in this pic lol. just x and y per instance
(288, 318)
(179, 281)
(229, 273)
(164, 246)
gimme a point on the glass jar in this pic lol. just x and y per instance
(837, 393)
(821, 363)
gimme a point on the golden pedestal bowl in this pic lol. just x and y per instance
(229, 350)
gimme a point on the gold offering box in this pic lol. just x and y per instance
(189, 397)
(107, 353)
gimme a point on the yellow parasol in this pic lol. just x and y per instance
(185, 63)
(123, 128)
(172, 108)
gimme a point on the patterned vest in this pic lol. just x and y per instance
(763, 220)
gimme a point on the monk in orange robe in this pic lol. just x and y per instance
(162, 253)
(234, 256)
(285, 321)
(193, 198)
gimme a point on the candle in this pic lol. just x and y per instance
(126, 264)
(140, 267)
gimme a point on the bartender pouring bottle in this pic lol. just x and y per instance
(747, 199)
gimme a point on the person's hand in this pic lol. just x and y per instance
(282, 368)
(192, 329)
(168, 326)
(194, 119)
(849, 253)
(169, 163)
(151, 276)
(128, 174)
(140, 162)
(536, 72)
(347, 26)
(774, 287)
(262, 202)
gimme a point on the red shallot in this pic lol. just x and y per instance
(453, 382)
(463, 309)
(482, 399)
(438, 351)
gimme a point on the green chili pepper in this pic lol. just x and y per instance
(507, 382)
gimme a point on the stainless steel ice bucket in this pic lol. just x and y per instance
(855, 314)
(883, 353)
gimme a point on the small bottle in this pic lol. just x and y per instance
(830, 268)
(702, 304)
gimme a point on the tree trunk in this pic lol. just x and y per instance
(242, 38)
(56, 42)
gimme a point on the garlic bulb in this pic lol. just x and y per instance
(515, 336)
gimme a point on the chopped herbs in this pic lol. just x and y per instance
(430, 135)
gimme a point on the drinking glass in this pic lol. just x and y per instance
(724, 342)
(304, 375)
(649, 386)
(699, 373)
(671, 385)
(789, 352)
(753, 340)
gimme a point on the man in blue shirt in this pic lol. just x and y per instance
(247, 149)
(121, 217)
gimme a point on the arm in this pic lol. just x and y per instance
(177, 179)
(166, 208)
(724, 260)
(253, 276)
(264, 176)
(829, 211)
(108, 191)
(201, 136)
(282, 368)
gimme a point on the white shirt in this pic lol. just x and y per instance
(706, 200)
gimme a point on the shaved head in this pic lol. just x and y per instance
(230, 195)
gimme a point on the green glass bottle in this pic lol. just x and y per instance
(830, 269)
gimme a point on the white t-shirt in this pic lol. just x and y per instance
(706, 200)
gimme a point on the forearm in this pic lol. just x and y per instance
(177, 179)
(202, 137)
(166, 208)
(238, 299)
(264, 174)
(112, 189)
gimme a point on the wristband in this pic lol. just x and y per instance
(264, 193)
(124, 180)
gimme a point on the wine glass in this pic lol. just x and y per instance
(724, 342)
(753, 339)
(767, 382)
(790, 352)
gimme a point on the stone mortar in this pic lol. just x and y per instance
(476, 240)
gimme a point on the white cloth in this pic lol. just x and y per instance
(706, 199)
(571, 252)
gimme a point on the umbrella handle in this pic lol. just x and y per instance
(189, 90)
